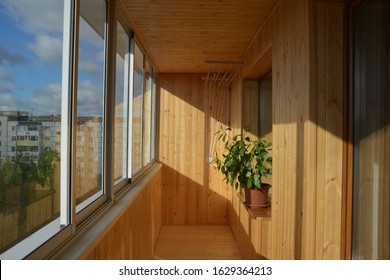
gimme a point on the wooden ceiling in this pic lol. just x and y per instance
(181, 35)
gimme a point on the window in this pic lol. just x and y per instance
(137, 110)
(56, 117)
(122, 90)
(144, 113)
(257, 110)
(90, 102)
(371, 87)
(32, 42)
(154, 120)
(147, 113)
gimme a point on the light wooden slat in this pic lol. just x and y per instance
(307, 128)
(134, 234)
(178, 242)
(193, 192)
(181, 35)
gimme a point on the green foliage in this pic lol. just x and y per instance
(244, 161)
(23, 171)
(45, 165)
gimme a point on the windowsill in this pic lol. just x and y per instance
(86, 240)
(263, 213)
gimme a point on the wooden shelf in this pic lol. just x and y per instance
(256, 212)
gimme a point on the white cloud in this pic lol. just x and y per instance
(36, 16)
(90, 99)
(47, 48)
(47, 100)
(42, 101)
(90, 66)
(10, 102)
(6, 57)
(4, 75)
(7, 84)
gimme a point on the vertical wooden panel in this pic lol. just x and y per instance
(329, 37)
(193, 191)
(307, 133)
(291, 103)
(134, 234)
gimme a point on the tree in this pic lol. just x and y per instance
(23, 174)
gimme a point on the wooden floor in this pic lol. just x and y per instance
(189, 242)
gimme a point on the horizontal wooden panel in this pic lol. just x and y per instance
(182, 35)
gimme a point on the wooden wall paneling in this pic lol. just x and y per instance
(135, 232)
(290, 98)
(201, 150)
(253, 236)
(330, 128)
(218, 97)
(310, 151)
(190, 194)
(307, 129)
(259, 46)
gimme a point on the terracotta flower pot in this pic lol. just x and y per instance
(257, 197)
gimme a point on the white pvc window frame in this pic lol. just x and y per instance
(44, 242)
(57, 230)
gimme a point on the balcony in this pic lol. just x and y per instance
(143, 91)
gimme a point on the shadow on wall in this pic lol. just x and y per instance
(185, 202)
(193, 191)
(190, 114)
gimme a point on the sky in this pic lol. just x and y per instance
(31, 59)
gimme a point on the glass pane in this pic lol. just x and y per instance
(121, 103)
(137, 110)
(31, 92)
(154, 120)
(147, 114)
(90, 103)
(372, 132)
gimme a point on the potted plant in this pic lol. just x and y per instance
(245, 162)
